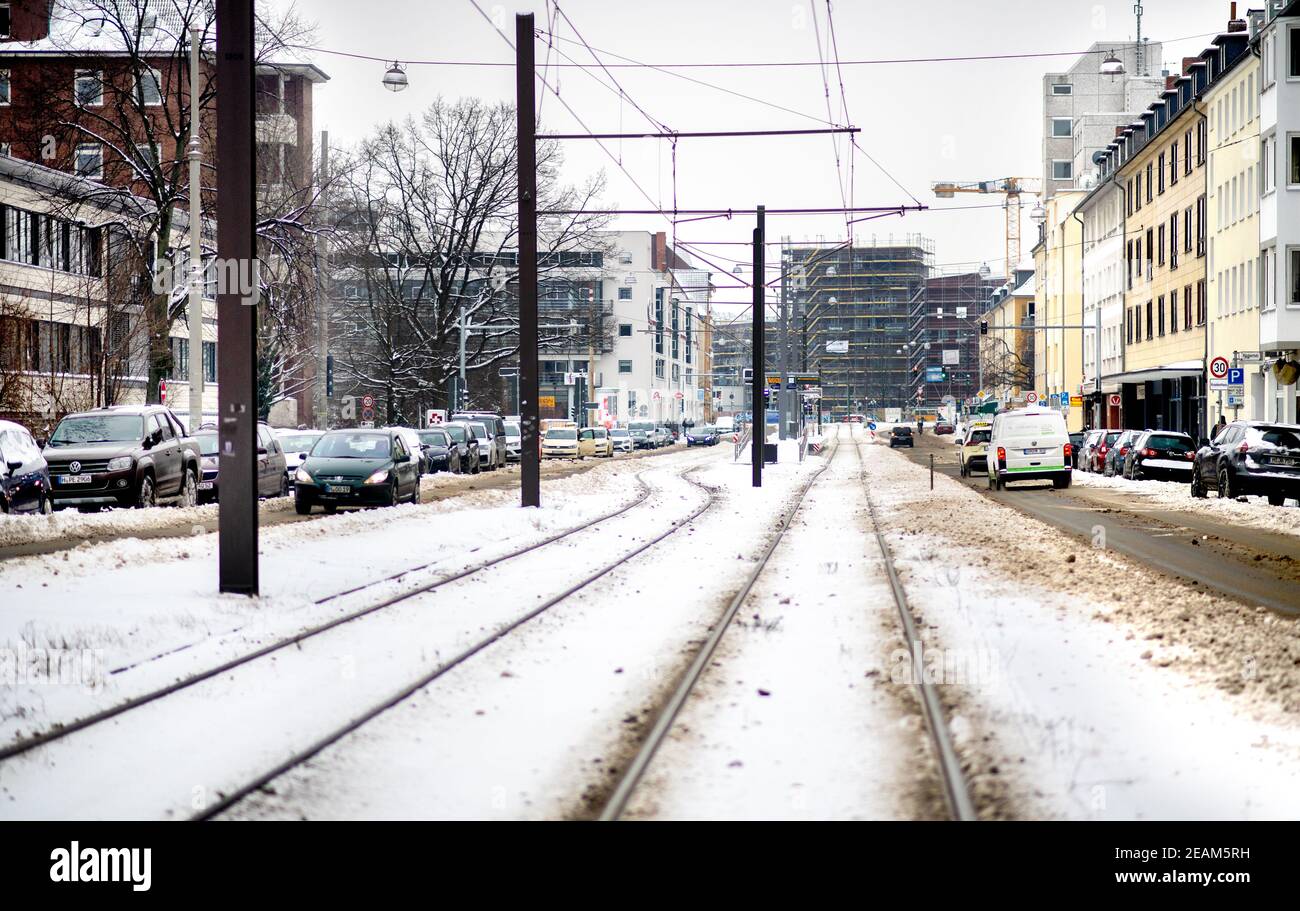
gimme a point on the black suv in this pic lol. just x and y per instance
(1259, 458)
(901, 436)
(123, 455)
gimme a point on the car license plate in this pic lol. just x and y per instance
(75, 479)
(205, 485)
(337, 488)
(1034, 451)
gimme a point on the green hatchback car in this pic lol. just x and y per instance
(357, 468)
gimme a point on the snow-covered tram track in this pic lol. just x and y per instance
(29, 769)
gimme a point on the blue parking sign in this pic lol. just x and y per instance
(1236, 376)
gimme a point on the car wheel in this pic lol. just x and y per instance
(284, 485)
(1136, 473)
(189, 492)
(147, 496)
(1276, 499)
(1198, 485)
(1226, 491)
(962, 469)
(391, 499)
(302, 507)
(1061, 483)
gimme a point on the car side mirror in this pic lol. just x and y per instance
(261, 450)
(41, 442)
(1204, 442)
(404, 457)
(14, 466)
(303, 455)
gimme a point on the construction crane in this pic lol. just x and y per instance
(1011, 188)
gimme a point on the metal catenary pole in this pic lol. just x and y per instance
(758, 413)
(323, 378)
(530, 467)
(195, 303)
(236, 311)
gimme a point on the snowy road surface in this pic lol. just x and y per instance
(1077, 682)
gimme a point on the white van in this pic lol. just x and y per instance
(1029, 444)
(726, 424)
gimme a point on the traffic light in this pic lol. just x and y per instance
(984, 327)
(329, 376)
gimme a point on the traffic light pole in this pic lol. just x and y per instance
(530, 462)
(236, 311)
(758, 437)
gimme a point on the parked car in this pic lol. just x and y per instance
(296, 444)
(1076, 446)
(1095, 448)
(663, 436)
(702, 436)
(466, 446)
(560, 443)
(622, 439)
(24, 475)
(123, 455)
(901, 435)
(357, 468)
(439, 450)
(1160, 454)
(1029, 444)
(488, 453)
(595, 441)
(414, 445)
(1246, 458)
(492, 450)
(272, 479)
(1114, 462)
(943, 427)
(974, 449)
(514, 440)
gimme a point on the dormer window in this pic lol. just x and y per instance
(88, 88)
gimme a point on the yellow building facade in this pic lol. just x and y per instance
(1058, 305)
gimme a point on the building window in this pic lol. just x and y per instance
(1137, 198)
(625, 330)
(90, 160)
(1293, 145)
(624, 366)
(4, 87)
(625, 294)
(1137, 324)
(209, 362)
(1160, 246)
(1161, 169)
(1293, 57)
(1150, 326)
(1062, 170)
(677, 373)
(6, 20)
(1128, 265)
(659, 321)
(1268, 160)
(146, 161)
(1200, 302)
(1187, 308)
(1062, 88)
(1200, 225)
(1173, 241)
(1187, 230)
(88, 88)
(675, 312)
(1187, 152)
(659, 367)
(1150, 189)
(1062, 127)
(1128, 325)
(1151, 253)
(1200, 143)
(149, 88)
(1293, 296)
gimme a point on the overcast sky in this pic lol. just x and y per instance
(921, 121)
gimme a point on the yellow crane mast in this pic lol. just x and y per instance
(1011, 188)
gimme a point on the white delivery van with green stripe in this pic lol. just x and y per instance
(1029, 444)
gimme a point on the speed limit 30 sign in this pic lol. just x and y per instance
(1219, 368)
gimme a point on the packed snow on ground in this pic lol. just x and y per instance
(1097, 707)
(68, 523)
(107, 606)
(795, 718)
(1251, 511)
(539, 725)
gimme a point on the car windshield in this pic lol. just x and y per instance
(299, 442)
(1030, 425)
(351, 446)
(619, 432)
(99, 428)
(1281, 437)
(902, 431)
(512, 430)
(1170, 443)
(207, 443)
(561, 433)
(479, 431)
(433, 438)
(701, 431)
(456, 432)
(979, 436)
(644, 426)
(1112, 437)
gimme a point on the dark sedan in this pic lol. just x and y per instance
(702, 436)
(1250, 458)
(357, 468)
(438, 451)
(1113, 463)
(24, 476)
(901, 436)
(466, 446)
(1160, 455)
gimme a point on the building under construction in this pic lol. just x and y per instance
(849, 311)
(943, 336)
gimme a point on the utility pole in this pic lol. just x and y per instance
(758, 436)
(530, 467)
(195, 303)
(323, 374)
(236, 313)
(783, 403)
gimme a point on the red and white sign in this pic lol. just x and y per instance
(162, 391)
(435, 416)
(679, 396)
(1031, 398)
(1219, 368)
(1114, 401)
(367, 401)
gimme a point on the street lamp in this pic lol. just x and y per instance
(395, 78)
(1112, 66)
(1038, 213)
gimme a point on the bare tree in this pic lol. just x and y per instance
(428, 234)
(129, 62)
